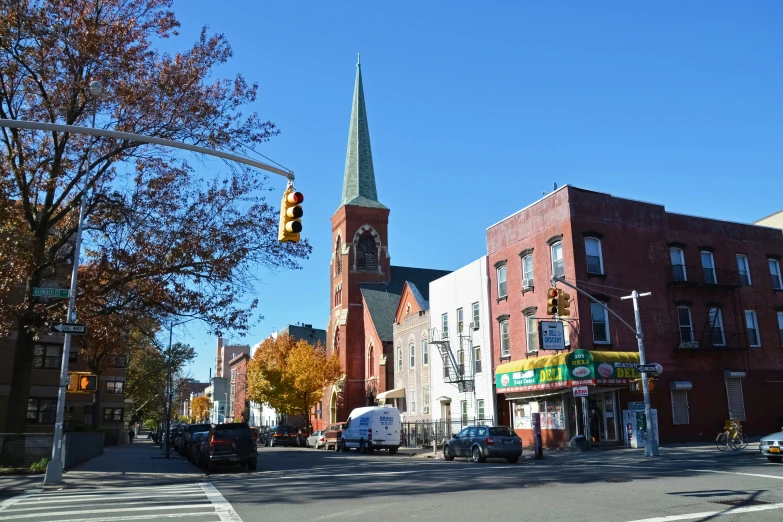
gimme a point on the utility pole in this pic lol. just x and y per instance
(167, 406)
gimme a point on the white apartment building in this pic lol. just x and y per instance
(462, 390)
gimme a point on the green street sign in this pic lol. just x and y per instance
(51, 292)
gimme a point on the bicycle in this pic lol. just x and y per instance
(731, 437)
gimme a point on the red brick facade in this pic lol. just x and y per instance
(238, 386)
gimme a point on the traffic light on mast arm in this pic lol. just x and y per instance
(563, 304)
(290, 216)
(552, 301)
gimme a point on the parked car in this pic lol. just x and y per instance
(181, 443)
(193, 448)
(482, 442)
(332, 435)
(230, 444)
(372, 428)
(771, 447)
(316, 440)
(282, 435)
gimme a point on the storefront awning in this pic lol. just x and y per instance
(577, 368)
(396, 393)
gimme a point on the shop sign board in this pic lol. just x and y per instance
(551, 336)
(577, 369)
(581, 391)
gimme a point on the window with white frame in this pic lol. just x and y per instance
(680, 414)
(412, 403)
(531, 330)
(557, 259)
(425, 400)
(752, 325)
(595, 262)
(780, 326)
(774, 271)
(460, 320)
(425, 352)
(744, 269)
(678, 264)
(527, 271)
(461, 361)
(476, 317)
(480, 408)
(686, 325)
(399, 358)
(717, 337)
(464, 411)
(444, 324)
(567, 333)
(505, 344)
(501, 271)
(600, 323)
(708, 268)
(412, 355)
(477, 358)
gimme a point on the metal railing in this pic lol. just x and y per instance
(700, 275)
(22, 450)
(421, 434)
(711, 339)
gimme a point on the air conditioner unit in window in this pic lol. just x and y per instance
(474, 326)
(527, 283)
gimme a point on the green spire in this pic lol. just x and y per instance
(359, 180)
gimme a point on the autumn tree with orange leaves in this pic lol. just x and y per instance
(291, 375)
(199, 408)
(162, 239)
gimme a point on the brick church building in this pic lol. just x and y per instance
(365, 288)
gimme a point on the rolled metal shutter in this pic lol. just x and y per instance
(680, 407)
(736, 401)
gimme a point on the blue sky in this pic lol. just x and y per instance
(474, 111)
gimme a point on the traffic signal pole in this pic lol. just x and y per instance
(651, 445)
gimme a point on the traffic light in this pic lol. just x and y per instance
(290, 215)
(72, 382)
(88, 383)
(563, 304)
(552, 301)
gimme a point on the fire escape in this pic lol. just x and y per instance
(457, 368)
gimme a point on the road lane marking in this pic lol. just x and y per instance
(736, 473)
(45, 499)
(139, 517)
(222, 507)
(708, 514)
(108, 509)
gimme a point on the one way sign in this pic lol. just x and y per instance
(71, 328)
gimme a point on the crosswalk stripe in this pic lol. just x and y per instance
(172, 504)
(97, 511)
(141, 517)
(222, 507)
(38, 499)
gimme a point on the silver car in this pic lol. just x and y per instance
(771, 447)
(316, 440)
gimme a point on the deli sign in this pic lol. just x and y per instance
(577, 368)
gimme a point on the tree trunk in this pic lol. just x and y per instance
(16, 415)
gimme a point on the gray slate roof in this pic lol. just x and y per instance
(359, 179)
(382, 299)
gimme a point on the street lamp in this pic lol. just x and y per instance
(54, 469)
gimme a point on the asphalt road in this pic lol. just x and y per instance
(611, 486)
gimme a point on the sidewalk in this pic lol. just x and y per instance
(137, 464)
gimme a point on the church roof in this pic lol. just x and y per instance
(382, 299)
(359, 179)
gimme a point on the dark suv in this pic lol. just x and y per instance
(282, 435)
(230, 444)
(181, 444)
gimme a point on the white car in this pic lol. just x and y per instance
(372, 428)
(316, 440)
(771, 447)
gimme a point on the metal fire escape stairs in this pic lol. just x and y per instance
(727, 289)
(456, 369)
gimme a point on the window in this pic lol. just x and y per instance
(680, 407)
(557, 260)
(477, 358)
(412, 403)
(425, 353)
(678, 264)
(464, 411)
(527, 271)
(475, 316)
(480, 408)
(371, 361)
(774, 271)
(505, 345)
(531, 327)
(780, 326)
(600, 323)
(752, 324)
(502, 282)
(412, 355)
(461, 361)
(120, 361)
(73, 355)
(736, 401)
(708, 267)
(399, 358)
(444, 322)
(595, 262)
(460, 322)
(47, 356)
(115, 387)
(41, 411)
(567, 333)
(686, 325)
(338, 254)
(716, 325)
(113, 414)
(425, 397)
(366, 256)
(744, 269)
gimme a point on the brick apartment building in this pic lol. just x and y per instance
(237, 386)
(714, 319)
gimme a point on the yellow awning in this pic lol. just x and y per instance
(555, 360)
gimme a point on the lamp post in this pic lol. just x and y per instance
(54, 468)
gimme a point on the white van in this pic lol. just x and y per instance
(372, 428)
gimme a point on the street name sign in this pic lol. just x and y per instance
(71, 328)
(551, 333)
(649, 368)
(61, 293)
(580, 391)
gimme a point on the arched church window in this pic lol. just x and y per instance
(336, 346)
(371, 361)
(366, 254)
(338, 253)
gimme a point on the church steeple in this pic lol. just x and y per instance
(359, 179)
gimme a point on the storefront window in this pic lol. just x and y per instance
(551, 414)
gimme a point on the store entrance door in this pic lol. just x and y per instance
(603, 416)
